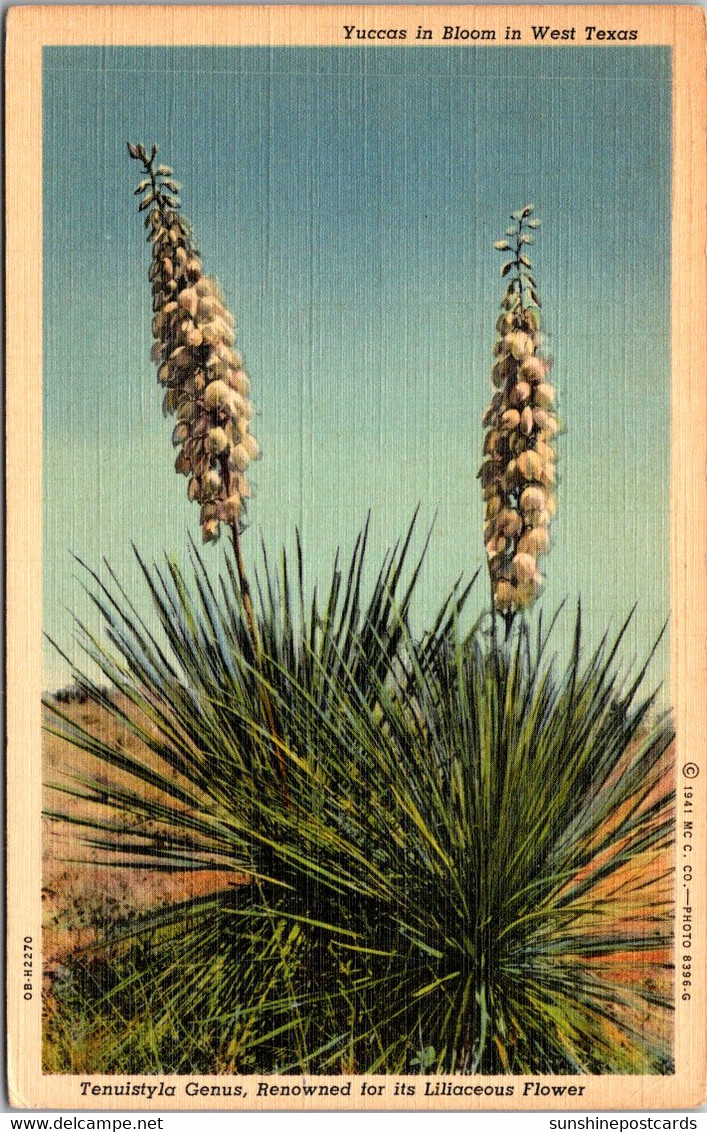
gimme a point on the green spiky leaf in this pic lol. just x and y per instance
(435, 787)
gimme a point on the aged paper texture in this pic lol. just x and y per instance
(356, 539)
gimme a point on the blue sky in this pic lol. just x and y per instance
(347, 199)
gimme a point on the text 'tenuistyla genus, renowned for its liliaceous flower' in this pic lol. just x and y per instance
(206, 385)
(518, 472)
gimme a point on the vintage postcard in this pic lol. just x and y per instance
(356, 526)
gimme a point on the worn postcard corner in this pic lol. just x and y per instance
(356, 534)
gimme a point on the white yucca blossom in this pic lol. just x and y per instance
(206, 385)
(518, 472)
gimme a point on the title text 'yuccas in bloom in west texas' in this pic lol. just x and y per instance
(518, 472)
(206, 384)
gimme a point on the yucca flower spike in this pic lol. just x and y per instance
(206, 385)
(518, 472)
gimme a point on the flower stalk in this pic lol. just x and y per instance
(205, 381)
(518, 471)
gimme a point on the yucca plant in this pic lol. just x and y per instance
(471, 841)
